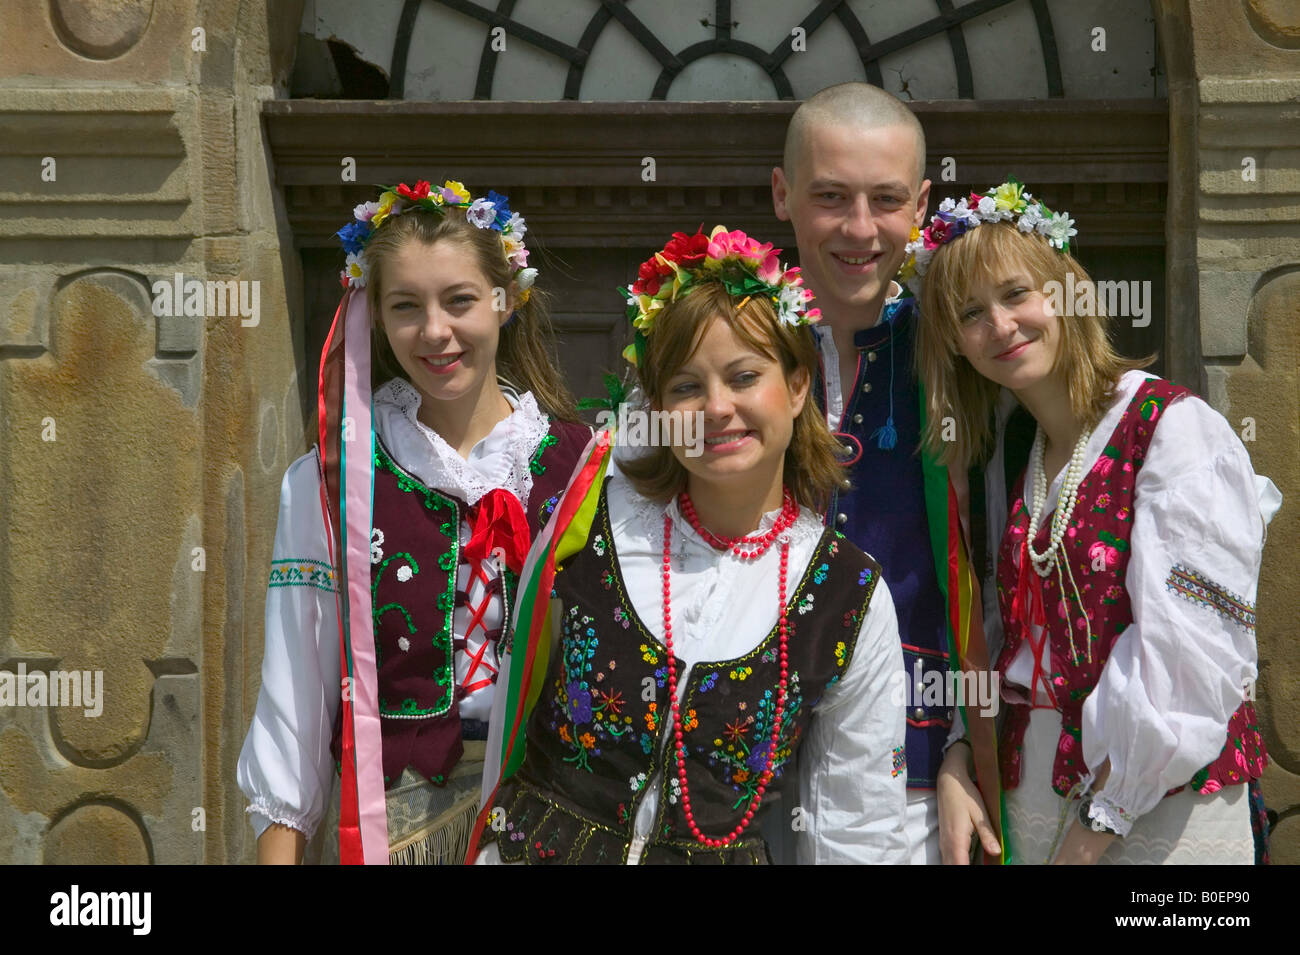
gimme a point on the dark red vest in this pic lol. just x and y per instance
(1096, 547)
(595, 738)
(414, 598)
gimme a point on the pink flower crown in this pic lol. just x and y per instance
(743, 266)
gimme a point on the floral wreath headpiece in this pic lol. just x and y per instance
(743, 266)
(1003, 203)
(492, 212)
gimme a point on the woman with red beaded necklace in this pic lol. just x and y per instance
(711, 626)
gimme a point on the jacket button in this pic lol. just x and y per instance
(866, 388)
(857, 419)
(841, 519)
(871, 356)
(918, 714)
(846, 448)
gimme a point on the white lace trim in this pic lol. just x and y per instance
(1110, 814)
(293, 820)
(501, 460)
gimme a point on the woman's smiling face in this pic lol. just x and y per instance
(1009, 332)
(749, 408)
(437, 309)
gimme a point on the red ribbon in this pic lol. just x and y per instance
(500, 527)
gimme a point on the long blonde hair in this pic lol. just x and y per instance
(526, 355)
(956, 390)
(811, 468)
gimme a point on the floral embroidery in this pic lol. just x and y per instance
(621, 618)
(864, 577)
(746, 742)
(302, 573)
(841, 653)
(833, 548)
(741, 673)
(535, 463)
(1198, 589)
(805, 604)
(898, 762)
(819, 575)
(709, 682)
(376, 538)
(598, 545)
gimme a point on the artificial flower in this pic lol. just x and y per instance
(1059, 229)
(353, 236)
(454, 193)
(482, 213)
(525, 279)
(355, 270)
(363, 212)
(1007, 195)
(419, 191)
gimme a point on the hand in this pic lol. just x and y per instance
(961, 810)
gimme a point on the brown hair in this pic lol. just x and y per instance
(526, 355)
(954, 389)
(811, 468)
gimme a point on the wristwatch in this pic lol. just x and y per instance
(1096, 825)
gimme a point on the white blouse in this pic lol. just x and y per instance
(1176, 675)
(285, 768)
(851, 799)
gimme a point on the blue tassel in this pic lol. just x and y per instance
(886, 436)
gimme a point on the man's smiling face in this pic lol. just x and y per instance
(853, 200)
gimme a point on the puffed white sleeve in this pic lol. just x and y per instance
(285, 768)
(852, 770)
(1176, 675)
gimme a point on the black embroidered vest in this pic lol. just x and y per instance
(596, 736)
(414, 598)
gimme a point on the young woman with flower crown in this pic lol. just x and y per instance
(401, 534)
(1127, 572)
(707, 626)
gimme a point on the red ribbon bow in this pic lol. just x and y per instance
(500, 528)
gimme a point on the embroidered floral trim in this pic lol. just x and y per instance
(444, 677)
(898, 762)
(535, 462)
(1198, 589)
(303, 572)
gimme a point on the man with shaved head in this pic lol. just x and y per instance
(852, 183)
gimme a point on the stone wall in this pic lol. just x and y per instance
(144, 453)
(1234, 260)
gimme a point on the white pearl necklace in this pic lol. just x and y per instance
(1065, 499)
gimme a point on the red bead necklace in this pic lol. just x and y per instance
(754, 547)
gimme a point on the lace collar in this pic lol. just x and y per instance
(499, 460)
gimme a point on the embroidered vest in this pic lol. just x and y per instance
(596, 736)
(414, 598)
(884, 513)
(1096, 547)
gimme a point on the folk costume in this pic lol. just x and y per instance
(685, 672)
(1143, 657)
(393, 571)
(1126, 589)
(901, 508)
